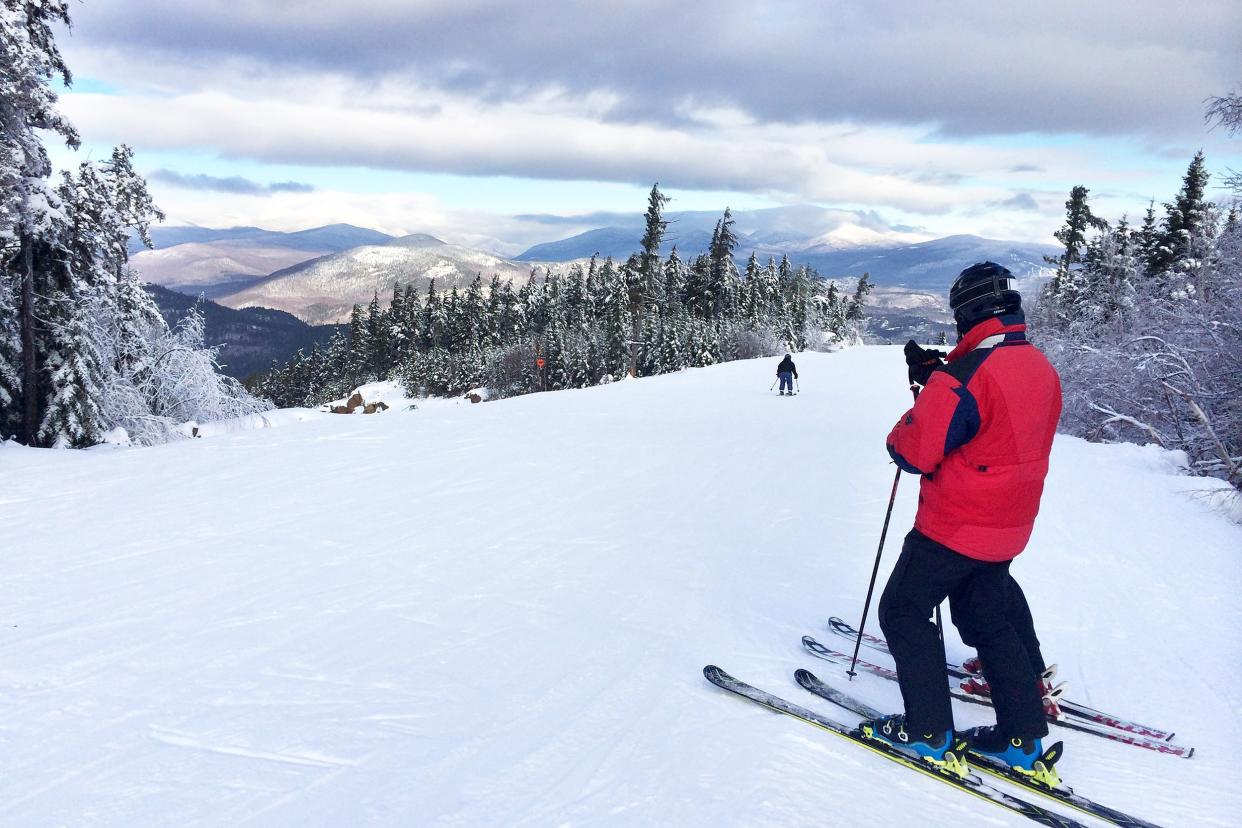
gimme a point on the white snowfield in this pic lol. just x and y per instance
(498, 614)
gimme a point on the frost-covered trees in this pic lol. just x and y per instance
(1143, 326)
(83, 350)
(581, 324)
(28, 208)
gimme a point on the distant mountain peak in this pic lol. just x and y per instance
(416, 240)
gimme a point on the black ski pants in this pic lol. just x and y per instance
(1018, 611)
(926, 573)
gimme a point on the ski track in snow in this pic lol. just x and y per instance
(498, 615)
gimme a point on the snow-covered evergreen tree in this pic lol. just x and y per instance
(29, 209)
(83, 351)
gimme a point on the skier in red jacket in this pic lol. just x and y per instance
(979, 435)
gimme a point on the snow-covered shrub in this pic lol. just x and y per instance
(166, 377)
(1144, 328)
(744, 344)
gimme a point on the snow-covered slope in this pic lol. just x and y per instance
(195, 266)
(497, 614)
(324, 290)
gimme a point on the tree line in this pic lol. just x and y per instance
(591, 323)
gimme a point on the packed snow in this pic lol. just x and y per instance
(497, 614)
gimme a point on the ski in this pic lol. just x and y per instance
(972, 783)
(1063, 794)
(1068, 707)
(820, 651)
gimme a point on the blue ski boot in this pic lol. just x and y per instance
(943, 749)
(1025, 756)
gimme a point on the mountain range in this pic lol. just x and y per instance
(314, 277)
(772, 231)
(325, 289)
(215, 263)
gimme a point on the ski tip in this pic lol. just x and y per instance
(805, 677)
(1169, 738)
(1190, 752)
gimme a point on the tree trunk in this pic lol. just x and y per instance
(30, 367)
(635, 326)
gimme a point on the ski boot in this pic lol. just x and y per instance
(1025, 756)
(944, 750)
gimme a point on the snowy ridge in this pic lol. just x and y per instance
(196, 265)
(498, 614)
(323, 290)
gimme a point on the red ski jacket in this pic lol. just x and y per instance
(980, 434)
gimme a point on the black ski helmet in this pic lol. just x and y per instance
(982, 291)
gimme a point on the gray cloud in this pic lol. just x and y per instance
(998, 68)
(598, 218)
(1026, 168)
(1020, 201)
(232, 184)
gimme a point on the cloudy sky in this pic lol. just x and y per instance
(472, 118)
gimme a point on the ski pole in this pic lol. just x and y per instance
(876, 567)
(773, 385)
(797, 387)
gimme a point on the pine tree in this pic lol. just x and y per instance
(131, 204)
(674, 280)
(71, 411)
(10, 364)
(435, 320)
(1185, 216)
(473, 309)
(340, 368)
(1147, 241)
(855, 312)
(1109, 273)
(724, 280)
(753, 301)
(396, 328)
(28, 206)
(137, 317)
(1078, 221)
(673, 341)
(494, 323)
(644, 276)
(377, 346)
(359, 347)
(649, 351)
(614, 321)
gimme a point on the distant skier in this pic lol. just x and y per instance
(980, 434)
(788, 372)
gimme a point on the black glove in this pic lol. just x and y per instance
(922, 362)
